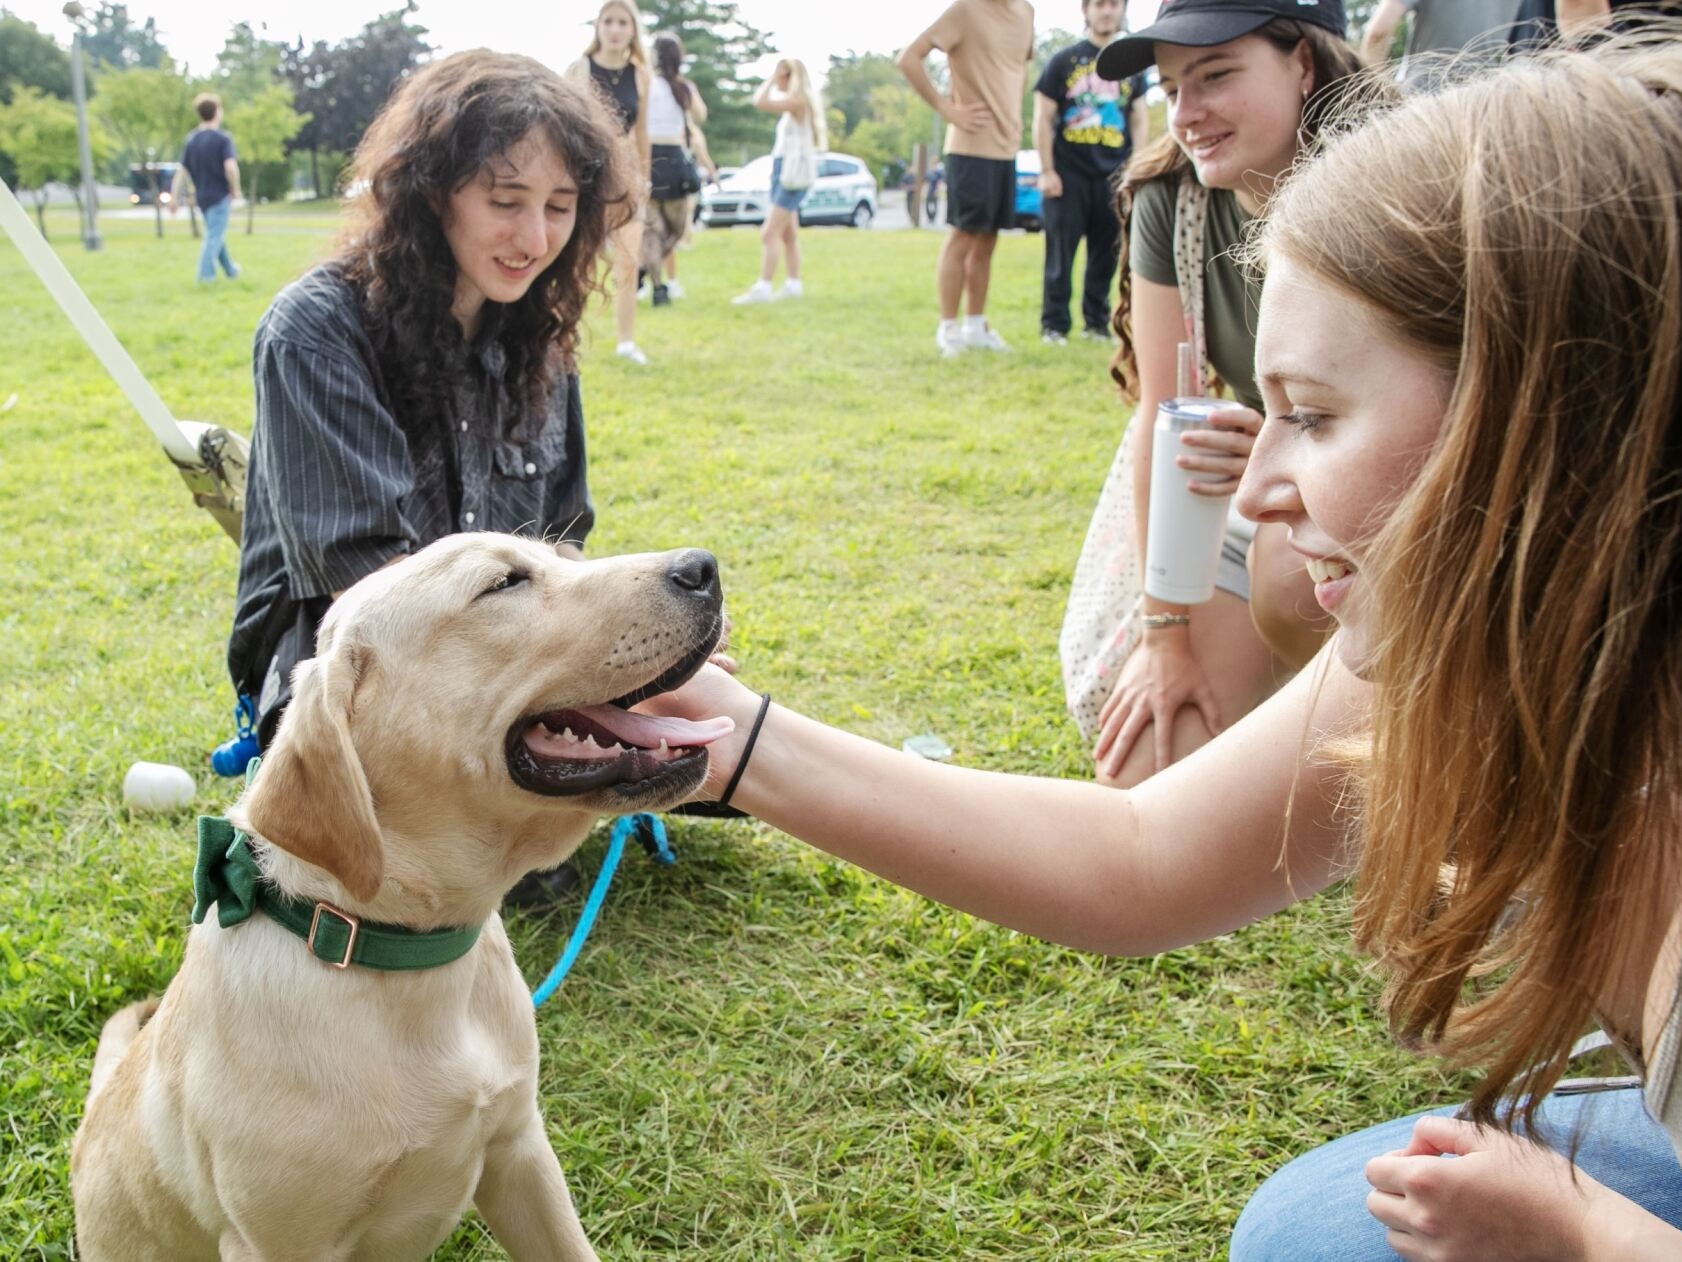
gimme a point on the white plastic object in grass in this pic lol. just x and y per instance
(158, 786)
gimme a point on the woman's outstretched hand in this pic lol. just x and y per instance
(1224, 449)
(1158, 679)
(713, 691)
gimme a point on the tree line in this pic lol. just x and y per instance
(303, 106)
(140, 106)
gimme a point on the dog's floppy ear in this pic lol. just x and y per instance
(311, 796)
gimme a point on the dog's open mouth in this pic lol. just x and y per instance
(602, 746)
(589, 748)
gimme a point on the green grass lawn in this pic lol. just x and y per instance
(762, 1053)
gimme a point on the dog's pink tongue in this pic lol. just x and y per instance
(648, 730)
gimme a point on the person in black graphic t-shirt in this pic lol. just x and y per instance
(1084, 128)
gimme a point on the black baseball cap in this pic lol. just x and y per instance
(1205, 23)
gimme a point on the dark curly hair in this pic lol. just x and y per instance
(441, 129)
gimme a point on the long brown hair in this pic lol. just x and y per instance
(1334, 66)
(1521, 788)
(668, 64)
(444, 127)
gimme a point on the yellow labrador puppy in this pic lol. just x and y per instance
(463, 723)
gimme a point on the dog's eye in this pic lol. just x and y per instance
(505, 581)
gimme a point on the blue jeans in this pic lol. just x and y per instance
(1315, 1208)
(784, 198)
(216, 241)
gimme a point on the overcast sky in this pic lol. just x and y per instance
(808, 29)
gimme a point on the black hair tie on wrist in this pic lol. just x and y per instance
(722, 809)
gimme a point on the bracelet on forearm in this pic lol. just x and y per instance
(1157, 621)
(722, 809)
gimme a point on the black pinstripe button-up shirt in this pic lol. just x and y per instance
(339, 485)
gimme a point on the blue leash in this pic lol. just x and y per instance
(650, 830)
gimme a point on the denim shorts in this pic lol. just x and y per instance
(784, 198)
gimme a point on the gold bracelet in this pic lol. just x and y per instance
(1157, 621)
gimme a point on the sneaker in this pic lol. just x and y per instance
(674, 291)
(983, 338)
(1051, 337)
(759, 291)
(662, 295)
(949, 341)
(632, 352)
(791, 289)
(643, 292)
(1096, 335)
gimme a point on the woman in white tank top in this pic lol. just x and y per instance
(675, 114)
(801, 137)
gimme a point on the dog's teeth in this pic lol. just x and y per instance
(566, 734)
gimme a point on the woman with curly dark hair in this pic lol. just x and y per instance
(423, 380)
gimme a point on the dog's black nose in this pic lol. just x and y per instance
(695, 571)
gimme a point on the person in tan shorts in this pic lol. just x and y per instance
(988, 44)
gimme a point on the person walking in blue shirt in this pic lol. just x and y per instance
(210, 160)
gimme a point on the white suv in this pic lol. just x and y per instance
(843, 193)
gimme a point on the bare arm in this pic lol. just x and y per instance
(1045, 118)
(972, 116)
(1198, 850)
(698, 143)
(917, 74)
(1622, 1231)
(770, 99)
(176, 187)
(1577, 16)
(1158, 329)
(230, 171)
(639, 132)
(1381, 29)
(697, 104)
(1163, 675)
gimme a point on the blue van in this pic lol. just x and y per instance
(1028, 189)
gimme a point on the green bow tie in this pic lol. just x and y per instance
(227, 874)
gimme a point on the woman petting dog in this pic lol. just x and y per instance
(423, 380)
(1470, 353)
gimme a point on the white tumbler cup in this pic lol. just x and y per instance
(1185, 531)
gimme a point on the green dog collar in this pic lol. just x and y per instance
(227, 874)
